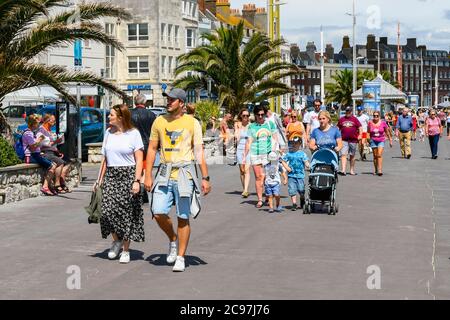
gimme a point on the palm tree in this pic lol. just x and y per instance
(240, 72)
(28, 29)
(341, 90)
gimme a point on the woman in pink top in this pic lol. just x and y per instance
(433, 130)
(378, 131)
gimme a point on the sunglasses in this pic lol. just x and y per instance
(245, 116)
(261, 115)
(376, 116)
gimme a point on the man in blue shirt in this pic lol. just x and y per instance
(403, 132)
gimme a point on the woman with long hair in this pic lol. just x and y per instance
(378, 131)
(241, 136)
(326, 136)
(262, 139)
(119, 176)
(50, 151)
(32, 142)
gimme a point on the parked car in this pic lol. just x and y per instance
(91, 125)
(158, 110)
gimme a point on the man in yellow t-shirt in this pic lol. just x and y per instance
(180, 140)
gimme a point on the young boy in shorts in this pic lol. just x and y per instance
(274, 170)
(295, 162)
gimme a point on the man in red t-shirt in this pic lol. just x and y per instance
(351, 131)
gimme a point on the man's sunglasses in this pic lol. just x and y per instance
(261, 115)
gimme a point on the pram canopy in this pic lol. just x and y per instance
(324, 156)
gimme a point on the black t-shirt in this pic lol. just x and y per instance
(143, 120)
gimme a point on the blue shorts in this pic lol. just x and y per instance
(240, 157)
(272, 190)
(40, 160)
(295, 185)
(165, 197)
(375, 144)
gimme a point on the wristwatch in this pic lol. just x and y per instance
(206, 178)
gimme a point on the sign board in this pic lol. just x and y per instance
(62, 107)
(413, 101)
(371, 91)
(163, 87)
(132, 87)
(77, 53)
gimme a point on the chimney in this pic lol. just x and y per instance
(371, 43)
(412, 43)
(384, 40)
(201, 5)
(261, 19)
(211, 6)
(223, 8)
(235, 12)
(249, 13)
(329, 52)
(345, 42)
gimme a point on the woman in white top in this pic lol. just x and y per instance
(120, 174)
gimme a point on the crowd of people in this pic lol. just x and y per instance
(258, 144)
(276, 149)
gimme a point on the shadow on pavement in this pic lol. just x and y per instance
(134, 255)
(160, 260)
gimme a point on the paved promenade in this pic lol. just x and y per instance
(399, 223)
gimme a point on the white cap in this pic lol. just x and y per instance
(273, 156)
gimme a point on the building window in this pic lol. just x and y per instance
(163, 32)
(190, 38)
(169, 34)
(177, 36)
(171, 66)
(163, 65)
(110, 53)
(138, 32)
(138, 66)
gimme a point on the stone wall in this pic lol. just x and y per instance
(24, 181)
(95, 152)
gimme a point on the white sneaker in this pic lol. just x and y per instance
(124, 257)
(115, 248)
(179, 265)
(173, 251)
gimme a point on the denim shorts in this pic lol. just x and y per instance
(272, 190)
(376, 144)
(164, 197)
(295, 185)
(36, 157)
(349, 148)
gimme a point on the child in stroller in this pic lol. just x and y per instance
(322, 181)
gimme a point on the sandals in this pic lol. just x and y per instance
(245, 194)
(60, 189)
(259, 204)
(47, 192)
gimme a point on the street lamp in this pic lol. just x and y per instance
(378, 56)
(353, 15)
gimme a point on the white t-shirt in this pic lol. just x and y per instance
(364, 120)
(312, 118)
(119, 148)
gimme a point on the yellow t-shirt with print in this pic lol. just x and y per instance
(177, 139)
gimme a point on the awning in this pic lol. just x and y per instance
(388, 91)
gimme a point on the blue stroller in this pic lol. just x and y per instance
(322, 182)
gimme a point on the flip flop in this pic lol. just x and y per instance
(353, 174)
(259, 204)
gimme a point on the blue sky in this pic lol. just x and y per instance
(426, 20)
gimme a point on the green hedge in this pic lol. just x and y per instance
(8, 156)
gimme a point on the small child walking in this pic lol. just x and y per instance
(295, 162)
(273, 171)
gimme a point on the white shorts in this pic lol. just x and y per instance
(259, 159)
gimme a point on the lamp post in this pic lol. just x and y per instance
(353, 15)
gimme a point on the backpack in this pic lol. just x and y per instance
(18, 147)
